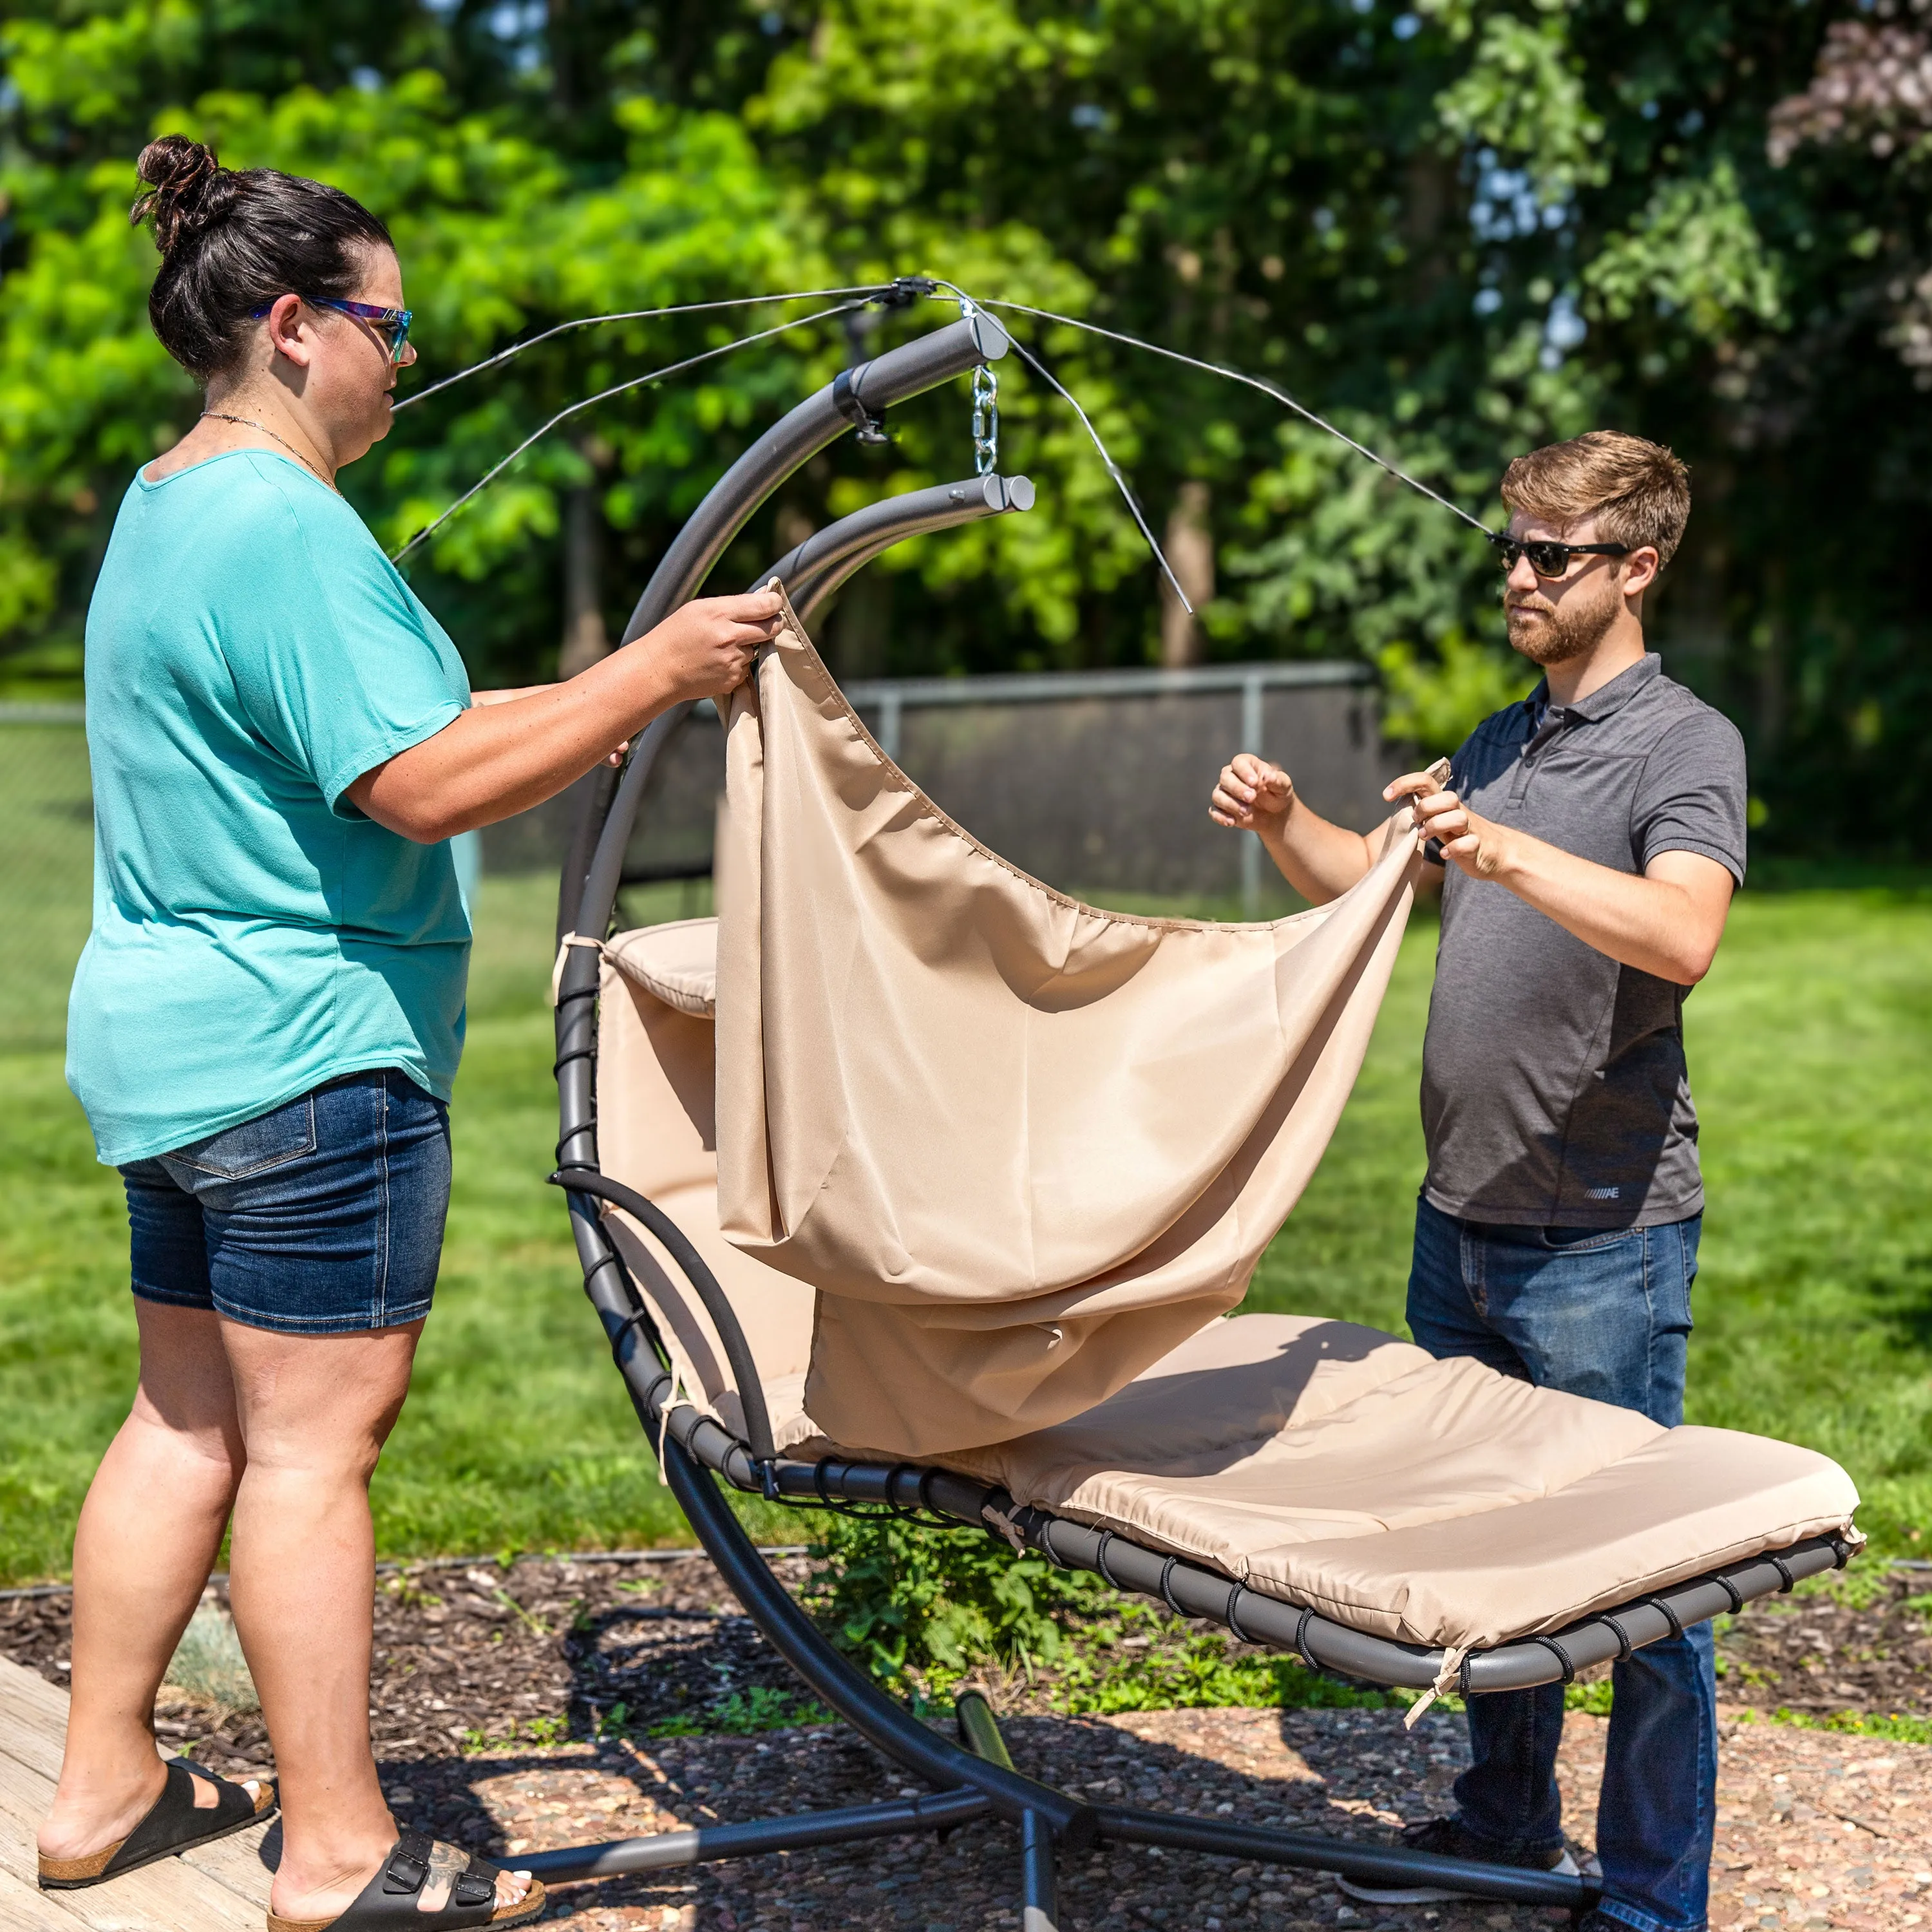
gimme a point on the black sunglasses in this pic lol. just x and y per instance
(1549, 560)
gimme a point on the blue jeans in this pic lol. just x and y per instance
(323, 1216)
(1605, 1313)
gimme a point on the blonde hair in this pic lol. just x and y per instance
(1638, 492)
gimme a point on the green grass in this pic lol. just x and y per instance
(46, 869)
(1811, 1052)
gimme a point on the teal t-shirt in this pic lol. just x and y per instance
(251, 653)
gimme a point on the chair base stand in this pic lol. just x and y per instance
(977, 1777)
(979, 1734)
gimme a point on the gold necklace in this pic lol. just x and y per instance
(249, 422)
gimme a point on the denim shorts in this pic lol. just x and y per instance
(323, 1216)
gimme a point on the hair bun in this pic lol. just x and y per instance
(185, 188)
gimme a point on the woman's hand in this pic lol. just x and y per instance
(708, 647)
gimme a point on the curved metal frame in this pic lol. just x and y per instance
(976, 1775)
(583, 902)
(816, 567)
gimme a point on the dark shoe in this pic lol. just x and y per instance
(390, 1902)
(174, 1823)
(1446, 1838)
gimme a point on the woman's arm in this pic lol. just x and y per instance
(513, 750)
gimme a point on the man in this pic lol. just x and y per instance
(1594, 835)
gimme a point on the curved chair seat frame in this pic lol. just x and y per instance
(975, 1778)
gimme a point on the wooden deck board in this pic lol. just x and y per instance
(219, 1887)
(26, 1908)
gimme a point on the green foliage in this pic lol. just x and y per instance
(900, 1597)
(1695, 247)
(525, 1734)
(1458, 230)
(1184, 1669)
(742, 1714)
(1434, 706)
(1903, 1727)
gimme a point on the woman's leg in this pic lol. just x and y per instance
(314, 1411)
(147, 1539)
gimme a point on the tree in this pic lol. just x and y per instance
(1455, 228)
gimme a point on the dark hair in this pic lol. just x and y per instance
(232, 240)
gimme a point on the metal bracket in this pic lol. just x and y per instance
(871, 429)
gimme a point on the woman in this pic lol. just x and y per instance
(266, 1020)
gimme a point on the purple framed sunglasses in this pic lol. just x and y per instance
(393, 323)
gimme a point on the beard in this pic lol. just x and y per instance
(1557, 632)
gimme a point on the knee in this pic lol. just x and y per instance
(200, 1453)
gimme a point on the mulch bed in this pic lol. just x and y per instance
(525, 1707)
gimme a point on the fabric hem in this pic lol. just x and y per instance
(1652, 1214)
(324, 1324)
(405, 738)
(1698, 850)
(151, 1149)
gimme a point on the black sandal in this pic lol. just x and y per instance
(387, 1902)
(174, 1823)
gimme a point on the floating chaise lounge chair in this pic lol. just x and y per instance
(909, 1182)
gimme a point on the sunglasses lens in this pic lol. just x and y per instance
(1548, 560)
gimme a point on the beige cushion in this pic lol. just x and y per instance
(1436, 1503)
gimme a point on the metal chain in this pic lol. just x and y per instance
(985, 421)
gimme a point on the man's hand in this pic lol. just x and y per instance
(1252, 796)
(707, 648)
(1478, 846)
(1666, 921)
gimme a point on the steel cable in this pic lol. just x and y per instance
(872, 290)
(604, 395)
(1253, 381)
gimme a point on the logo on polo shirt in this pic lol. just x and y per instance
(1601, 1193)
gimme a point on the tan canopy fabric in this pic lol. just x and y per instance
(1328, 1465)
(1021, 1148)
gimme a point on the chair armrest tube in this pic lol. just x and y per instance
(717, 1302)
(815, 568)
(804, 1829)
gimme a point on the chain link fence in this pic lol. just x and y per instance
(1096, 782)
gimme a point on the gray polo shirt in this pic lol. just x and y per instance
(1554, 1088)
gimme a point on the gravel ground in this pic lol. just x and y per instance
(515, 1710)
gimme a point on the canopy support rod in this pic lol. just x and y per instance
(590, 882)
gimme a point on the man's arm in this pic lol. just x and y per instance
(1666, 921)
(1320, 860)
